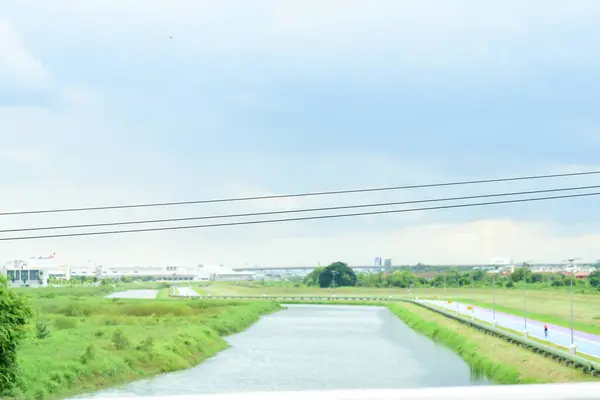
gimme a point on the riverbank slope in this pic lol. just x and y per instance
(77, 345)
(501, 361)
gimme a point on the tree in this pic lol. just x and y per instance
(344, 275)
(595, 278)
(521, 274)
(15, 313)
(402, 279)
(312, 279)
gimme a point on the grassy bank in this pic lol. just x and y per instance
(81, 344)
(501, 361)
(547, 305)
(585, 318)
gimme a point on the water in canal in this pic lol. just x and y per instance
(313, 347)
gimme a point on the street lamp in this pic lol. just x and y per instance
(525, 265)
(494, 295)
(333, 273)
(572, 348)
(444, 284)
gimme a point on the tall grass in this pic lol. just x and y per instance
(88, 343)
(461, 345)
(500, 361)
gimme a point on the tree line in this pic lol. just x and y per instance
(340, 274)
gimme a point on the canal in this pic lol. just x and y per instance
(314, 347)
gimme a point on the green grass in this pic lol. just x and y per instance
(580, 322)
(202, 291)
(549, 305)
(542, 341)
(546, 305)
(499, 360)
(257, 289)
(97, 342)
(163, 293)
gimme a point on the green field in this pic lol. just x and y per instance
(94, 342)
(103, 342)
(549, 305)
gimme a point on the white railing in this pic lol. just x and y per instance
(568, 391)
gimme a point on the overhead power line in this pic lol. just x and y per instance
(305, 210)
(269, 221)
(306, 194)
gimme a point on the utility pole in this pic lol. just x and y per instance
(572, 348)
(333, 274)
(493, 301)
(525, 265)
(444, 284)
(494, 296)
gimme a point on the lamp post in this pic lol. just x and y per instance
(494, 296)
(525, 265)
(444, 284)
(333, 274)
(572, 347)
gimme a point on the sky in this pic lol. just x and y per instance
(107, 102)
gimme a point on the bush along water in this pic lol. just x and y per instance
(82, 345)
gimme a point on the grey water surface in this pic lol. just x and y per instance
(316, 347)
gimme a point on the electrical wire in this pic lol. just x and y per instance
(306, 194)
(256, 214)
(318, 217)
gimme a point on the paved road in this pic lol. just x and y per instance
(586, 342)
(186, 291)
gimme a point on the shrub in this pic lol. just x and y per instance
(62, 322)
(88, 355)
(42, 329)
(120, 340)
(15, 313)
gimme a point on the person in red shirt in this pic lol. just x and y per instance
(546, 330)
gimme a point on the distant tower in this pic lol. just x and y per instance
(387, 264)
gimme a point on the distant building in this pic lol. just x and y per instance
(387, 263)
(221, 273)
(501, 261)
(20, 273)
(377, 261)
(168, 273)
(87, 270)
(579, 275)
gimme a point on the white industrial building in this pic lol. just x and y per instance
(221, 273)
(35, 271)
(168, 273)
(86, 270)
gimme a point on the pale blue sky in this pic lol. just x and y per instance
(98, 105)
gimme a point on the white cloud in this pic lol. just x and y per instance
(474, 242)
(17, 64)
(84, 152)
(332, 36)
